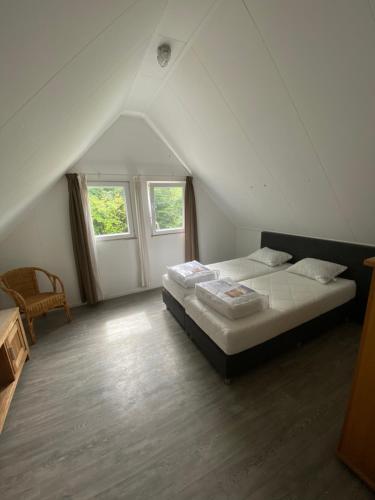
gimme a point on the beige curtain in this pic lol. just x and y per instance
(144, 260)
(191, 230)
(83, 239)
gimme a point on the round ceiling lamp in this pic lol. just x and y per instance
(164, 54)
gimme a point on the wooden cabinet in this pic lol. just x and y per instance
(14, 351)
(357, 445)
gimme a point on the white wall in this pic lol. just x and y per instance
(43, 236)
(247, 241)
(118, 267)
(216, 232)
(42, 239)
(129, 147)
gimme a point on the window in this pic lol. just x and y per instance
(110, 209)
(166, 206)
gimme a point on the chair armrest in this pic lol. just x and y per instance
(17, 297)
(54, 280)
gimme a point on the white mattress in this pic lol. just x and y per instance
(237, 269)
(293, 300)
(177, 291)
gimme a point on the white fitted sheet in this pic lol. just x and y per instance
(243, 268)
(293, 300)
(236, 269)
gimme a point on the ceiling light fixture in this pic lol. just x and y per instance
(164, 54)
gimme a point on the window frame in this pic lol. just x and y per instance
(150, 185)
(128, 207)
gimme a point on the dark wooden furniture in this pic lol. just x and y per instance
(14, 351)
(357, 444)
(22, 286)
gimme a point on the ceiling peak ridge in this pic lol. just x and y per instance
(187, 45)
(161, 136)
(214, 198)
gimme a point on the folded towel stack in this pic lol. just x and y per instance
(190, 273)
(230, 298)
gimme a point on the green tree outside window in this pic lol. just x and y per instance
(108, 210)
(168, 207)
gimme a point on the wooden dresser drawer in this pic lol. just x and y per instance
(15, 344)
(14, 351)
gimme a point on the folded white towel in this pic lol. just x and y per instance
(230, 298)
(190, 273)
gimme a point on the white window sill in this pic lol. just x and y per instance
(110, 237)
(167, 231)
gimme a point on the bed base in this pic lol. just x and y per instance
(174, 307)
(229, 366)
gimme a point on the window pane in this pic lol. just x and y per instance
(168, 206)
(108, 209)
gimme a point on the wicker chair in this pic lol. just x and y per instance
(22, 285)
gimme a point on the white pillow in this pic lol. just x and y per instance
(270, 257)
(319, 270)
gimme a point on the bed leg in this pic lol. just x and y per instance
(227, 380)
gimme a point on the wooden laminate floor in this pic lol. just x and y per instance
(120, 404)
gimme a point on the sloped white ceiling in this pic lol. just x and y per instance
(270, 103)
(177, 27)
(37, 39)
(66, 68)
(273, 106)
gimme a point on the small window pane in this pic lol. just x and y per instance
(168, 207)
(108, 210)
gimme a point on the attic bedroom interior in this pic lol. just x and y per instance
(187, 248)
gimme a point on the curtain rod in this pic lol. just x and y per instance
(108, 174)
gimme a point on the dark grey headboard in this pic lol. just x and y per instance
(347, 254)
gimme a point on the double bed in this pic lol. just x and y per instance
(175, 295)
(300, 308)
(293, 300)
